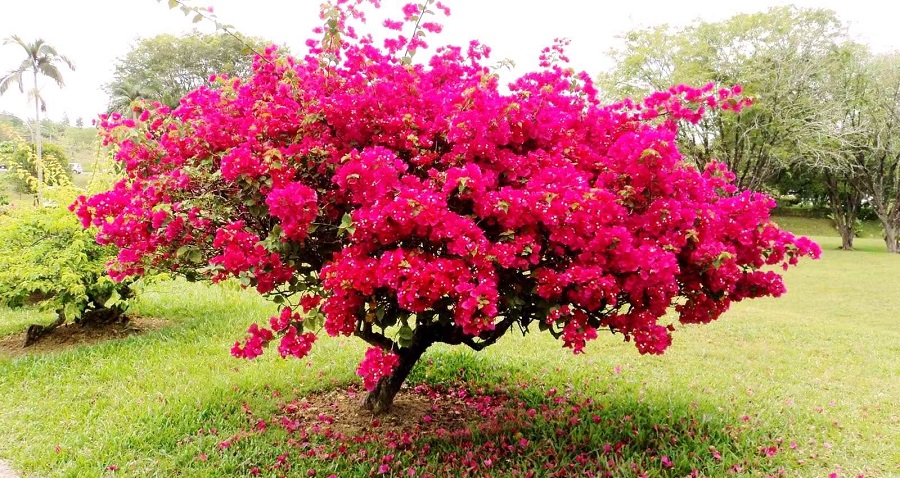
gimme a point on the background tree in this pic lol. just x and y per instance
(166, 67)
(830, 155)
(125, 97)
(878, 161)
(857, 153)
(779, 57)
(41, 60)
(23, 165)
(15, 123)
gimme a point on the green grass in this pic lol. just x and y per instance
(818, 367)
(825, 227)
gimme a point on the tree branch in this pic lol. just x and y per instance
(490, 338)
(365, 332)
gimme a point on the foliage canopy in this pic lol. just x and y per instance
(164, 68)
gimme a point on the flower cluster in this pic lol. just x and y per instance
(295, 205)
(425, 195)
(375, 365)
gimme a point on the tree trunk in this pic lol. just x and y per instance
(845, 202)
(36, 331)
(847, 235)
(102, 316)
(38, 144)
(892, 238)
(381, 399)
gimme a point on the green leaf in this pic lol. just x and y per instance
(195, 256)
(72, 311)
(347, 224)
(406, 332)
(461, 187)
(405, 336)
(114, 298)
(197, 18)
(173, 4)
(384, 320)
(313, 321)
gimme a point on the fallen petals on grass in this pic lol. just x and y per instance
(469, 430)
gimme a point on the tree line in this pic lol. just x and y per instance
(825, 126)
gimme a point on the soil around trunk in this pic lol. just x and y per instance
(415, 410)
(71, 335)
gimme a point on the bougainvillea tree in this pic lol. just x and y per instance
(409, 203)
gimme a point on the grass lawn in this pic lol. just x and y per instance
(805, 385)
(812, 226)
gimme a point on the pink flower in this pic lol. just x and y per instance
(376, 365)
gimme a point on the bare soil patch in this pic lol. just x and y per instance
(416, 410)
(70, 335)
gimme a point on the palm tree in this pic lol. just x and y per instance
(42, 59)
(126, 95)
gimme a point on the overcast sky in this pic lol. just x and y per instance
(93, 33)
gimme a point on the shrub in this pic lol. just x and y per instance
(50, 261)
(409, 204)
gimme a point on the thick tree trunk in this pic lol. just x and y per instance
(892, 238)
(847, 235)
(381, 399)
(845, 202)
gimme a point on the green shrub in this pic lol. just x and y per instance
(51, 262)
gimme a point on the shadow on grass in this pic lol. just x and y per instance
(518, 427)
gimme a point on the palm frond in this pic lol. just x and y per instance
(126, 96)
(15, 39)
(67, 61)
(14, 76)
(46, 49)
(48, 69)
(26, 65)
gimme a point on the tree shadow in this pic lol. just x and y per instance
(461, 415)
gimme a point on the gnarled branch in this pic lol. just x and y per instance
(365, 332)
(490, 338)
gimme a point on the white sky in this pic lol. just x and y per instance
(93, 33)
